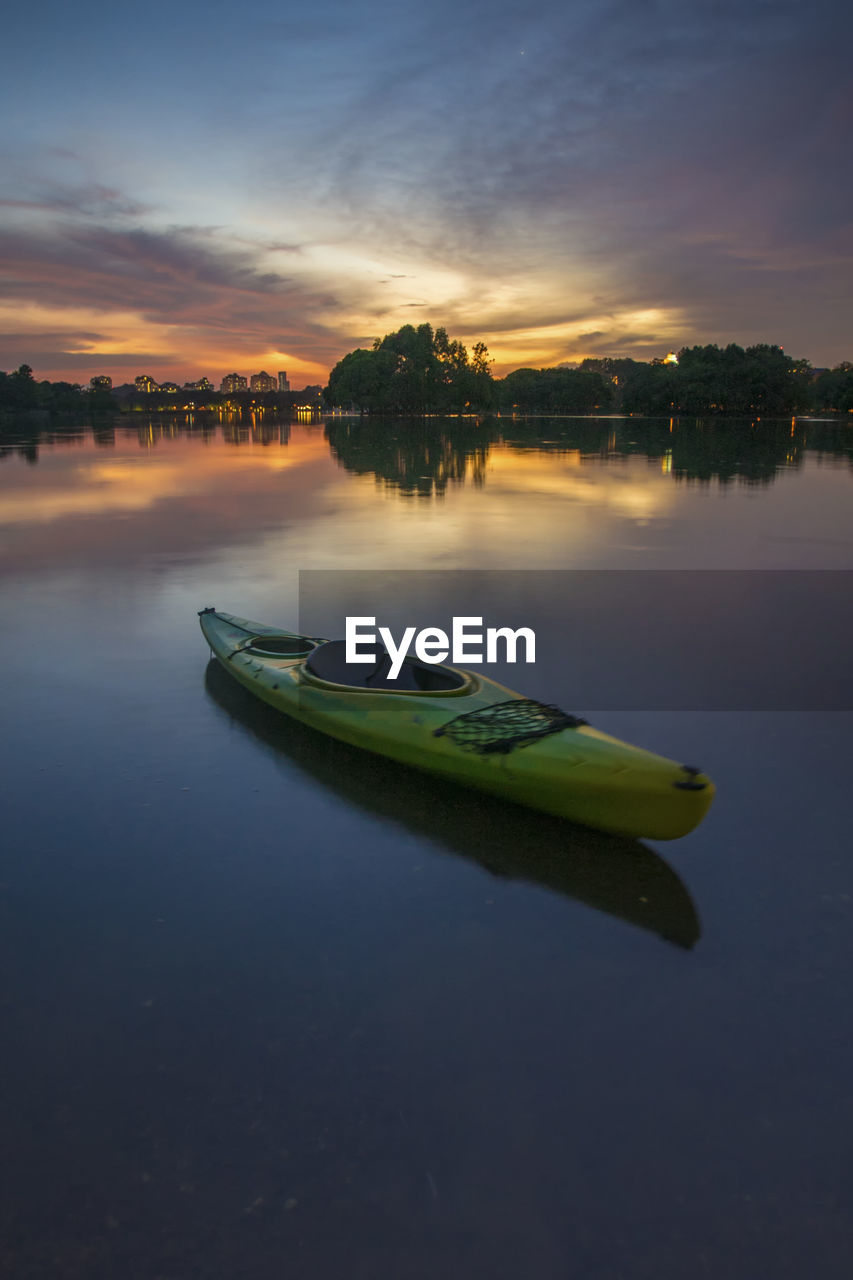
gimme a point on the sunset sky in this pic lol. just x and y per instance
(191, 189)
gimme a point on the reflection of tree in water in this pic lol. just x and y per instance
(149, 431)
(703, 449)
(424, 457)
(25, 444)
(417, 457)
(104, 436)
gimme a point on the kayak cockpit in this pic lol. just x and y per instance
(284, 646)
(328, 663)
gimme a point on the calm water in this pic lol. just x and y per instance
(274, 1008)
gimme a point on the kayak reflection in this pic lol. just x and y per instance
(622, 877)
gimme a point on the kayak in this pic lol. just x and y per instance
(627, 879)
(463, 726)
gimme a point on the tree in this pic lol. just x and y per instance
(772, 379)
(412, 371)
(481, 382)
(18, 391)
(652, 389)
(833, 388)
(361, 380)
(557, 391)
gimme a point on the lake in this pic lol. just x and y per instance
(277, 1008)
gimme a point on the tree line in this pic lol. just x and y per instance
(20, 393)
(420, 370)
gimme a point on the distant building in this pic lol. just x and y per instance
(203, 384)
(102, 383)
(262, 382)
(283, 384)
(171, 387)
(232, 382)
(146, 384)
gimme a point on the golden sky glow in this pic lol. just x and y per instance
(186, 353)
(556, 205)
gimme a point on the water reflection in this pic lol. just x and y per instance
(418, 457)
(422, 458)
(425, 457)
(565, 493)
(620, 877)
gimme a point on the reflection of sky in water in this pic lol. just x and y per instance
(297, 507)
(264, 983)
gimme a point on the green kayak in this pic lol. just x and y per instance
(465, 727)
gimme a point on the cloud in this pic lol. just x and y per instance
(192, 295)
(158, 272)
(54, 180)
(531, 175)
(644, 155)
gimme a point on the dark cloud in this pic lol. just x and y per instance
(61, 357)
(26, 187)
(209, 293)
(64, 336)
(170, 276)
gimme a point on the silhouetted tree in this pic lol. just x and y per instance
(833, 389)
(413, 370)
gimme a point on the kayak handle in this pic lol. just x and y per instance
(689, 783)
